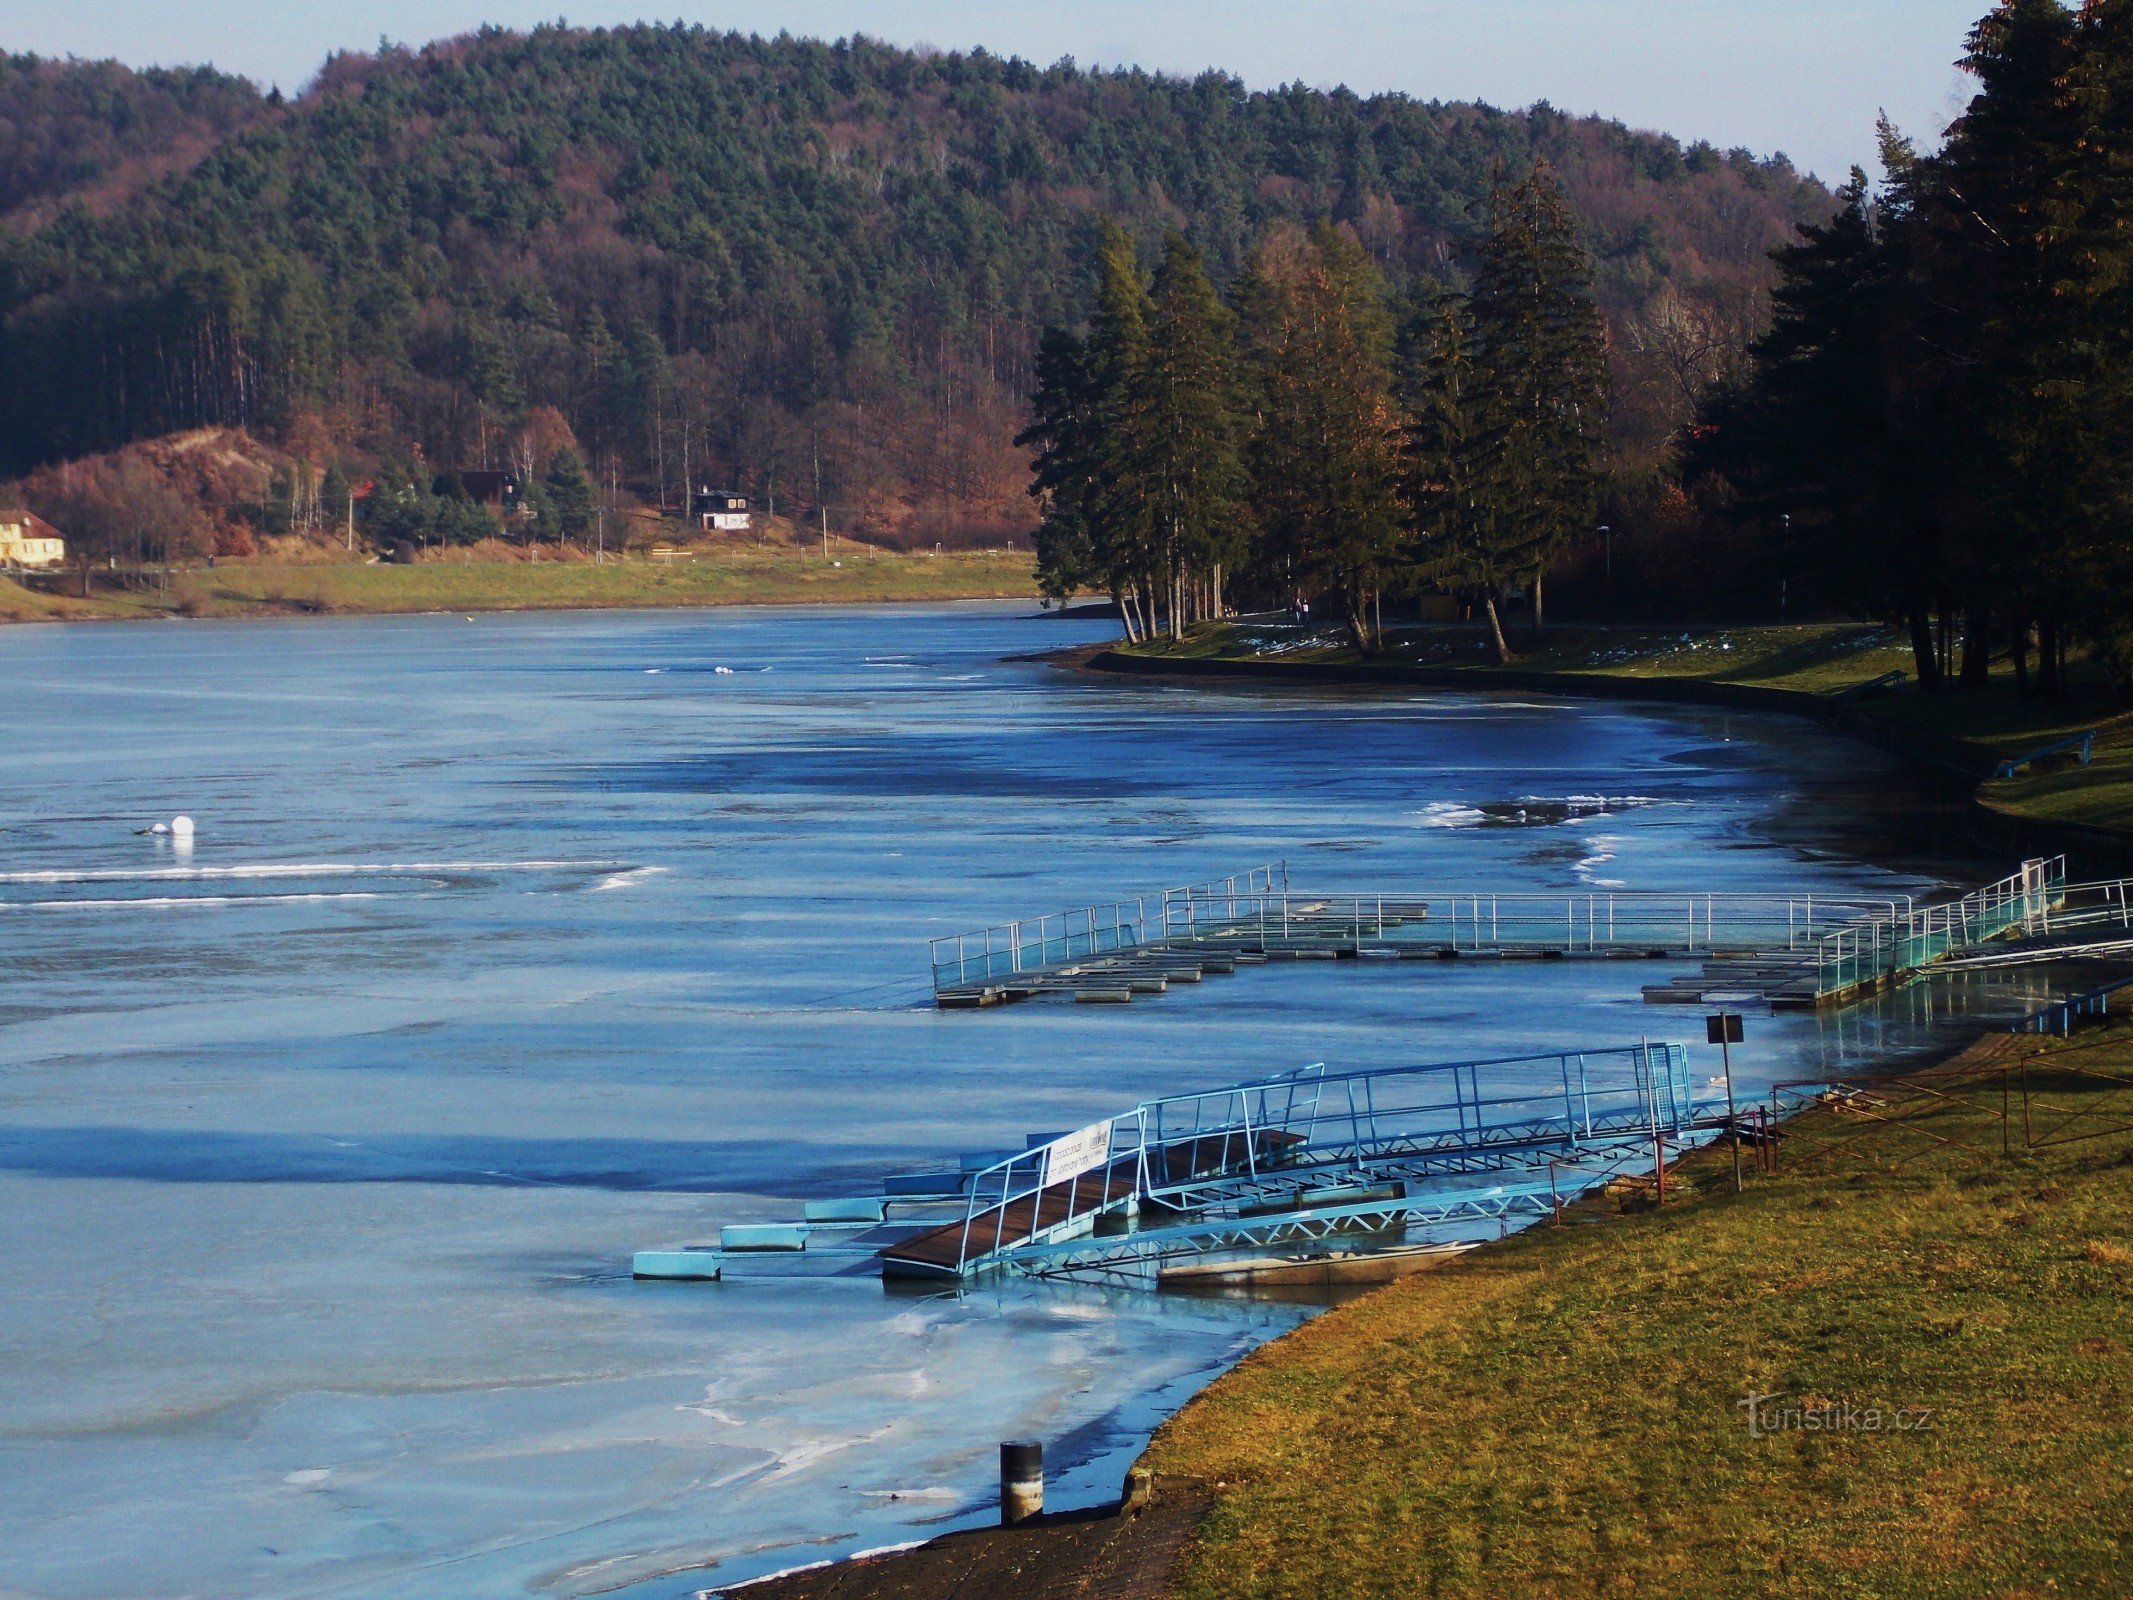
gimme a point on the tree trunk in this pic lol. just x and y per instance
(1923, 649)
(1124, 602)
(1540, 621)
(1216, 586)
(1977, 649)
(1359, 625)
(2018, 647)
(1503, 650)
(2048, 657)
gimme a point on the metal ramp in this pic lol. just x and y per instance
(1304, 1162)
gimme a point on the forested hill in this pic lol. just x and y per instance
(68, 128)
(771, 259)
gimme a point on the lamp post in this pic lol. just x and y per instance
(1607, 546)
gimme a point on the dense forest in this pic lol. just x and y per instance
(815, 272)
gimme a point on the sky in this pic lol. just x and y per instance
(1805, 77)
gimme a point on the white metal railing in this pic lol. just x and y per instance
(2027, 901)
(1036, 943)
(1260, 909)
(1571, 923)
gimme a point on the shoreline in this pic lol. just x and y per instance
(2000, 826)
(267, 589)
(1173, 1542)
(1144, 1550)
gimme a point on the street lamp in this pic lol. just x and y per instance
(1607, 536)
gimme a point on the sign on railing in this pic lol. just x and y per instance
(1083, 1150)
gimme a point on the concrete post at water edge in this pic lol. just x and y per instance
(1021, 1481)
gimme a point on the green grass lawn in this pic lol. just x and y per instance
(1561, 1414)
(1813, 659)
(737, 576)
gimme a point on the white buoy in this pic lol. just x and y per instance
(181, 827)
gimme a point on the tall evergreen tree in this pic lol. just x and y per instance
(1541, 348)
(1186, 462)
(1325, 456)
(1456, 544)
(2089, 375)
(1980, 323)
(1121, 505)
(1063, 432)
(570, 494)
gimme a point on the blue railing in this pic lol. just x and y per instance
(1314, 1131)
(2084, 744)
(2060, 1017)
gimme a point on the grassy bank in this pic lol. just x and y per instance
(735, 576)
(1562, 1414)
(1818, 661)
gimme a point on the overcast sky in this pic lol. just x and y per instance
(1802, 76)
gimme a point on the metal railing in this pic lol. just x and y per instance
(2060, 1018)
(1876, 948)
(1574, 924)
(1312, 1132)
(1259, 909)
(1014, 949)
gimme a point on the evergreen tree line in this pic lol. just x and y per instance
(1938, 425)
(1310, 441)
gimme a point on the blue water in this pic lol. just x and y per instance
(506, 946)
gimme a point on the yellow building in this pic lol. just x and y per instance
(27, 540)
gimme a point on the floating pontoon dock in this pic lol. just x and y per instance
(1792, 951)
(1306, 1165)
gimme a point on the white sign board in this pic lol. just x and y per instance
(1083, 1150)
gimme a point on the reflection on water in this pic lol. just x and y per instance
(586, 933)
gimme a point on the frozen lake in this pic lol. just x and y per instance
(318, 1185)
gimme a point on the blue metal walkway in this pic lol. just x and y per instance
(1307, 1161)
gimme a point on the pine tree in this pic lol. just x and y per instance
(1188, 467)
(1121, 506)
(1063, 434)
(1541, 348)
(1456, 544)
(2089, 379)
(1325, 455)
(570, 494)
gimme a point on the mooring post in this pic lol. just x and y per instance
(1021, 1481)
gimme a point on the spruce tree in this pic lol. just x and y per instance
(2090, 375)
(1063, 434)
(1187, 461)
(570, 493)
(1456, 544)
(1120, 506)
(1541, 348)
(1325, 454)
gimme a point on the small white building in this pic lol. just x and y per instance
(720, 511)
(27, 540)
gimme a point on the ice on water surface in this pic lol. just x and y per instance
(503, 950)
